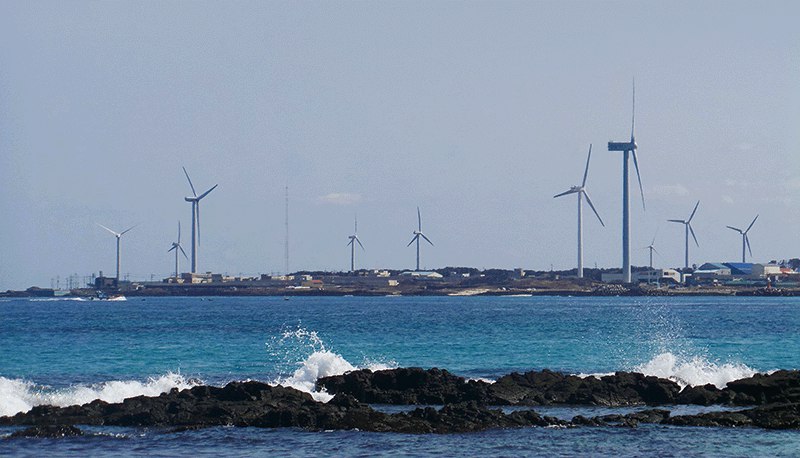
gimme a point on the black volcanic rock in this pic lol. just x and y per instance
(406, 386)
(714, 419)
(409, 386)
(704, 395)
(779, 387)
(547, 388)
(776, 416)
(261, 405)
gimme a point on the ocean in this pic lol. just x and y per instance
(65, 352)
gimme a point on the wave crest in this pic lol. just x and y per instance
(694, 371)
(320, 362)
(19, 395)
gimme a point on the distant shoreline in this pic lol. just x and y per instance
(590, 290)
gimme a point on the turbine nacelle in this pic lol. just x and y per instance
(622, 146)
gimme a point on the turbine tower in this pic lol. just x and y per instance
(745, 238)
(628, 149)
(177, 247)
(417, 235)
(687, 228)
(118, 235)
(652, 248)
(353, 240)
(195, 200)
(581, 192)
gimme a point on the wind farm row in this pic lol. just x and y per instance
(627, 148)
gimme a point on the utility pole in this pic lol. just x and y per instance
(286, 245)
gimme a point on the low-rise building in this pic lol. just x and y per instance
(423, 275)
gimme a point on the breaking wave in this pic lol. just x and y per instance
(320, 362)
(694, 371)
(17, 395)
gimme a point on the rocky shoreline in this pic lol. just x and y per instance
(769, 401)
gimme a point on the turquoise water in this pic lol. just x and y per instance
(65, 352)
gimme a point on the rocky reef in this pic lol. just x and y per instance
(408, 386)
(773, 400)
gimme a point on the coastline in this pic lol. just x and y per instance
(600, 290)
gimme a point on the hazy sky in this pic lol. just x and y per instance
(478, 112)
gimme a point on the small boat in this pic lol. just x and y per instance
(102, 296)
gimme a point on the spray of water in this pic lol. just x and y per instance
(315, 361)
(17, 395)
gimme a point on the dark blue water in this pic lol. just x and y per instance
(67, 352)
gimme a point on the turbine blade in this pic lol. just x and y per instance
(207, 192)
(109, 230)
(586, 172)
(735, 229)
(359, 244)
(677, 221)
(426, 238)
(633, 115)
(747, 242)
(654, 249)
(571, 191)
(355, 226)
(190, 181)
(184, 253)
(173, 247)
(693, 211)
(638, 177)
(751, 224)
(413, 239)
(692, 231)
(350, 242)
(419, 220)
(589, 201)
(128, 229)
(179, 232)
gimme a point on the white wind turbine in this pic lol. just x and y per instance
(581, 192)
(352, 244)
(652, 248)
(745, 238)
(687, 228)
(417, 235)
(177, 247)
(195, 200)
(118, 235)
(628, 149)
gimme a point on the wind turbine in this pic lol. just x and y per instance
(688, 228)
(118, 235)
(652, 248)
(353, 240)
(581, 191)
(745, 239)
(195, 200)
(177, 247)
(417, 235)
(628, 149)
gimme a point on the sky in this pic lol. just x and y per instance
(477, 112)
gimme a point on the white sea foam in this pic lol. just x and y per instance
(694, 371)
(18, 395)
(321, 362)
(53, 299)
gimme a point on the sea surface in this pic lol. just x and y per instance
(67, 352)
